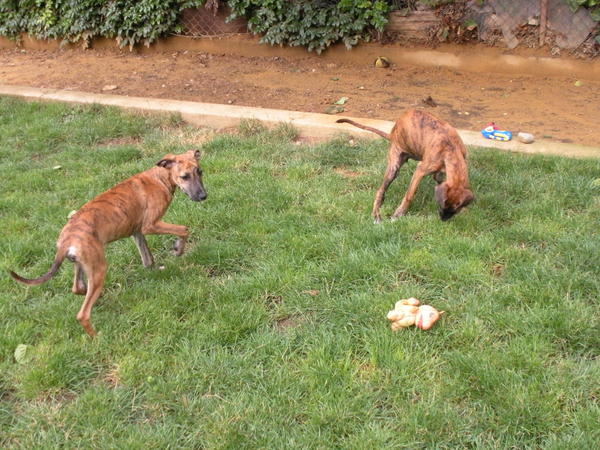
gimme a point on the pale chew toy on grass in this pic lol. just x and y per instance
(410, 312)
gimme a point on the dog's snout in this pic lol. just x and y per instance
(196, 193)
(446, 214)
(199, 196)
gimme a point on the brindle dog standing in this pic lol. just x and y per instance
(134, 208)
(438, 148)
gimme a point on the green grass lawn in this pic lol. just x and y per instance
(270, 331)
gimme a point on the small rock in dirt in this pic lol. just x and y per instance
(334, 109)
(430, 101)
(382, 62)
(109, 87)
(331, 66)
(525, 138)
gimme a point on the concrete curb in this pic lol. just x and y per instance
(310, 125)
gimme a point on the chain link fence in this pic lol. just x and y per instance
(505, 23)
(549, 24)
(536, 23)
(210, 22)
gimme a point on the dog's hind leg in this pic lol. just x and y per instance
(396, 160)
(79, 286)
(142, 245)
(94, 266)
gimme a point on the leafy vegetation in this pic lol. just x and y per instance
(313, 24)
(270, 331)
(128, 21)
(592, 5)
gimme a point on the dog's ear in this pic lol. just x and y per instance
(441, 194)
(167, 162)
(195, 153)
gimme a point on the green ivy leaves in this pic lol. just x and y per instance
(128, 21)
(592, 5)
(311, 24)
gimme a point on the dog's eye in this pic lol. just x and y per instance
(185, 176)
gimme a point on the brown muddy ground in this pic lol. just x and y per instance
(550, 107)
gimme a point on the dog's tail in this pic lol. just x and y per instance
(383, 134)
(58, 260)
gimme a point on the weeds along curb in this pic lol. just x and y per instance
(309, 125)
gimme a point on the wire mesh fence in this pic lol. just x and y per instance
(536, 23)
(210, 22)
(551, 24)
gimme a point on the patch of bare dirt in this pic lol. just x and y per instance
(551, 107)
(112, 377)
(346, 173)
(120, 141)
(287, 323)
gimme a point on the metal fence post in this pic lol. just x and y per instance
(543, 20)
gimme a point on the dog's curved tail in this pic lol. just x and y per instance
(383, 134)
(58, 260)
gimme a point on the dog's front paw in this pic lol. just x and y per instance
(395, 217)
(399, 213)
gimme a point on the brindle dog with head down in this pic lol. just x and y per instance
(134, 208)
(438, 148)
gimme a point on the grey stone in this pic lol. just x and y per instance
(525, 138)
